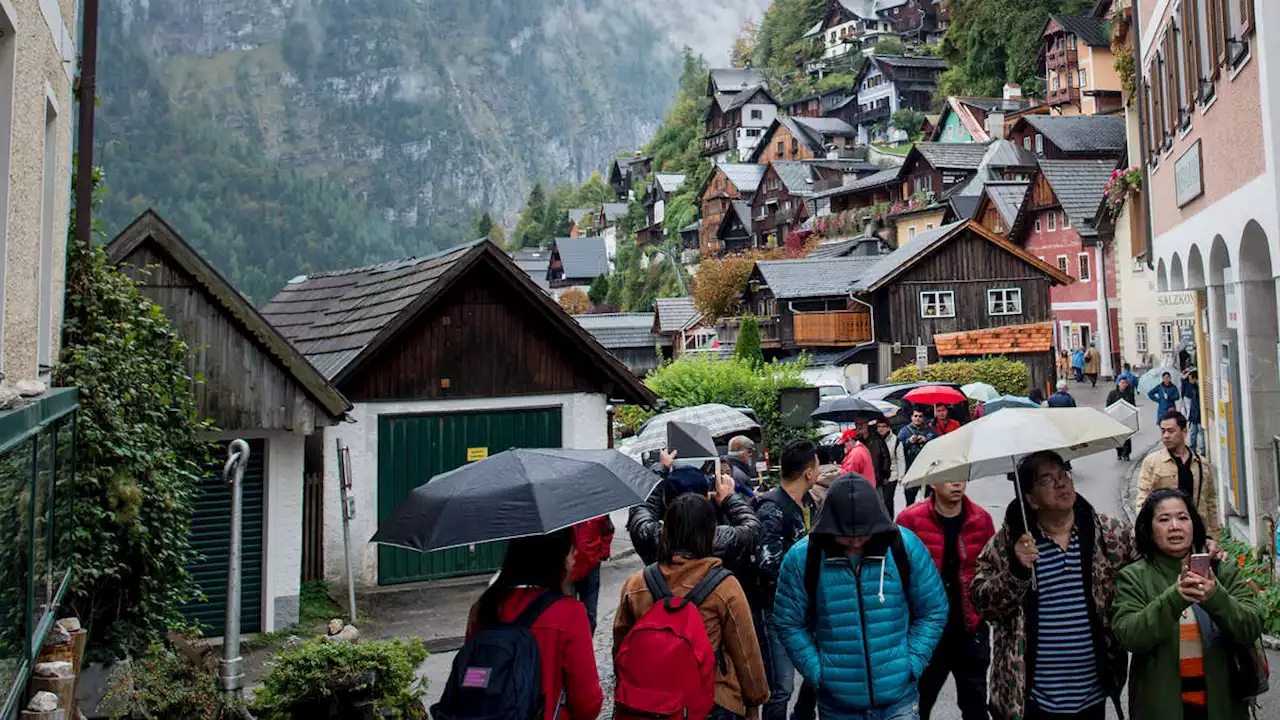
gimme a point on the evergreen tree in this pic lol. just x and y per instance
(481, 224)
(748, 347)
(599, 290)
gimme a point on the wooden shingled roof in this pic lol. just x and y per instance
(1010, 339)
(340, 319)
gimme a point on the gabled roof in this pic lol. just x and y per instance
(742, 211)
(880, 179)
(340, 320)
(750, 95)
(576, 214)
(745, 177)
(1092, 31)
(668, 182)
(796, 176)
(534, 262)
(1081, 134)
(621, 167)
(951, 156)
(905, 257)
(616, 331)
(582, 258)
(888, 65)
(1006, 154)
(670, 315)
(614, 211)
(812, 132)
(1078, 185)
(1008, 199)
(732, 80)
(150, 228)
(1005, 340)
(823, 277)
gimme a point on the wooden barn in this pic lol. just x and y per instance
(255, 386)
(447, 358)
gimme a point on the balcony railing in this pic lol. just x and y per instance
(870, 117)
(728, 329)
(718, 143)
(37, 470)
(1063, 96)
(832, 329)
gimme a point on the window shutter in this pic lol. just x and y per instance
(1217, 48)
(1191, 50)
(1246, 17)
(1224, 31)
(1170, 87)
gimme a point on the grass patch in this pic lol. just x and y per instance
(897, 148)
(315, 610)
(1257, 571)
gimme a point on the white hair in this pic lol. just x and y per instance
(1062, 386)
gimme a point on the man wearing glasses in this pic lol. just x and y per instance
(1046, 586)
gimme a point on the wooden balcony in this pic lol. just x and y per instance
(727, 331)
(720, 142)
(1063, 96)
(832, 329)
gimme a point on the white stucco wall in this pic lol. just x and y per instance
(282, 525)
(584, 426)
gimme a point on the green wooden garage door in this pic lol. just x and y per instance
(210, 533)
(414, 448)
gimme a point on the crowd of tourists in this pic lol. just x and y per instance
(1048, 614)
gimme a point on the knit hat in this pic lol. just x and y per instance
(683, 480)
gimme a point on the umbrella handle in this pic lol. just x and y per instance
(1022, 505)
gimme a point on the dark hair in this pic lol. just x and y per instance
(1175, 416)
(1193, 375)
(797, 456)
(1035, 396)
(537, 560)
(1166, 375)
(1127, 366)
(689, 528)
(1143, 532)
(917, 409)
(1031, 465)
(830, 454)
(942, 405)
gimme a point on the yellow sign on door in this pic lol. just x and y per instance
(474, 454)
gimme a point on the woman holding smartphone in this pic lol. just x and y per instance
(1180, 614)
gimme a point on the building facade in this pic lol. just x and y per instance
(1210, 105)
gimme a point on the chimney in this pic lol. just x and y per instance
(1012, 91)
(995, 125)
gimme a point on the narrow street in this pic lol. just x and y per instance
(1099, 478)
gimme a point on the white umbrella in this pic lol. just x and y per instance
(1125, 413)
(1154, 377)
(993, 445)
(980, 391)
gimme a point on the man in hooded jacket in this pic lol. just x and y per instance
(850, 624)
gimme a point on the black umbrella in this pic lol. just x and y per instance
(514, 494)
(847, 410)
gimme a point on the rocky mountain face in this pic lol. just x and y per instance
(283, 136)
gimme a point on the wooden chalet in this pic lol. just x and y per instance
(1000, 207)
(679, 320)
(779, 206)
(959, 278)
(1072, 137)
(576, 262)
(818, 104)
(624, 172)
(457, 352)
(630, 338)
(658, 193)
(940, 167)
(255, 386)
(735, 122)
(805, 138)
(875, 189)
(1078, 66)
(727, 183)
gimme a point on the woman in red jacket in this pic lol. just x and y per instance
(533, 566)
(592, 541)
(955, 530)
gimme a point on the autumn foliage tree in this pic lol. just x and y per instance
(744, 46)
(575, 302)
(719, 283)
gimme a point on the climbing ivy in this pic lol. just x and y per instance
(140, 456)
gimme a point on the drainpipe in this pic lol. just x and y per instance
(84, 144)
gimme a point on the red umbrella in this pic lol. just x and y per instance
(934, 394)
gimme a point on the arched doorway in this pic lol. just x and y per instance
(1176, 281)
(1258, 337)
(1162, 277)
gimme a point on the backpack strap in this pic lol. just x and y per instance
(903, 561)
(529, 615)
(656, 584)
(707, 585)
(812, 571)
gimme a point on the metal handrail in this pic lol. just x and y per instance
(231, 665)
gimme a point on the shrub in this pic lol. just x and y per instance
(701, 379)
(748, 347)
(309, 673)
(140, 457)
(575, 302)
(599, 290)
(163, 685)
(1010, 377)
(719, 285)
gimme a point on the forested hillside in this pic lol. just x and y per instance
(283, 136)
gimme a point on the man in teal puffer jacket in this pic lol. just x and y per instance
(866, 639)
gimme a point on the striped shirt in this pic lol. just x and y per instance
(1066, 673)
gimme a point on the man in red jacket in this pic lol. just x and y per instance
(955, 530)
(591, 541)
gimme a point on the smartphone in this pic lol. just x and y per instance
(1199, 564)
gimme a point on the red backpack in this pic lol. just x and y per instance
(665, 666)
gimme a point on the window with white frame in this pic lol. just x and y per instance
(1053, 221)
(1084, 77)
(757, 114)
(1166, 337)
(1062, 265)
(937, 304)
(1083, 259)
(911, 233)
(1140, 337)
(1039, 144)
(1004, 301)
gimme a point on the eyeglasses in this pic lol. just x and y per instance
(1060, 480)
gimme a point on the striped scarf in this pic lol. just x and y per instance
(1191, 660)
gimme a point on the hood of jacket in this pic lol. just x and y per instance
(853, 508)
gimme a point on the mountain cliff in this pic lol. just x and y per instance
(284, 136)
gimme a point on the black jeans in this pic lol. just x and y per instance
(806, 703)
(887, 492)
(966, 656)
(588, 591)
(1124, 451)
(1097, 712)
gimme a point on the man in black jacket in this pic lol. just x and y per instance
(1122, 391)
(786, 514)
(736, 535)
(740, 464)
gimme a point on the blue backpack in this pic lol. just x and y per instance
(497, 675)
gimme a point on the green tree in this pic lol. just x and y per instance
(599, 290)
(140, 457)
(890, 46)
(497, 236)
(748, 348)
(908, 121)
(530, 228)
(481, 224)
(592, 193)
(781, 33)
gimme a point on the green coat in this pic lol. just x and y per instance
(1144, 616)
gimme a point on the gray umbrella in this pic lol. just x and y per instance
(847, 410)
(515, 494)
(719, 420)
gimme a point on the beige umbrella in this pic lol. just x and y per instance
(1124, 413)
